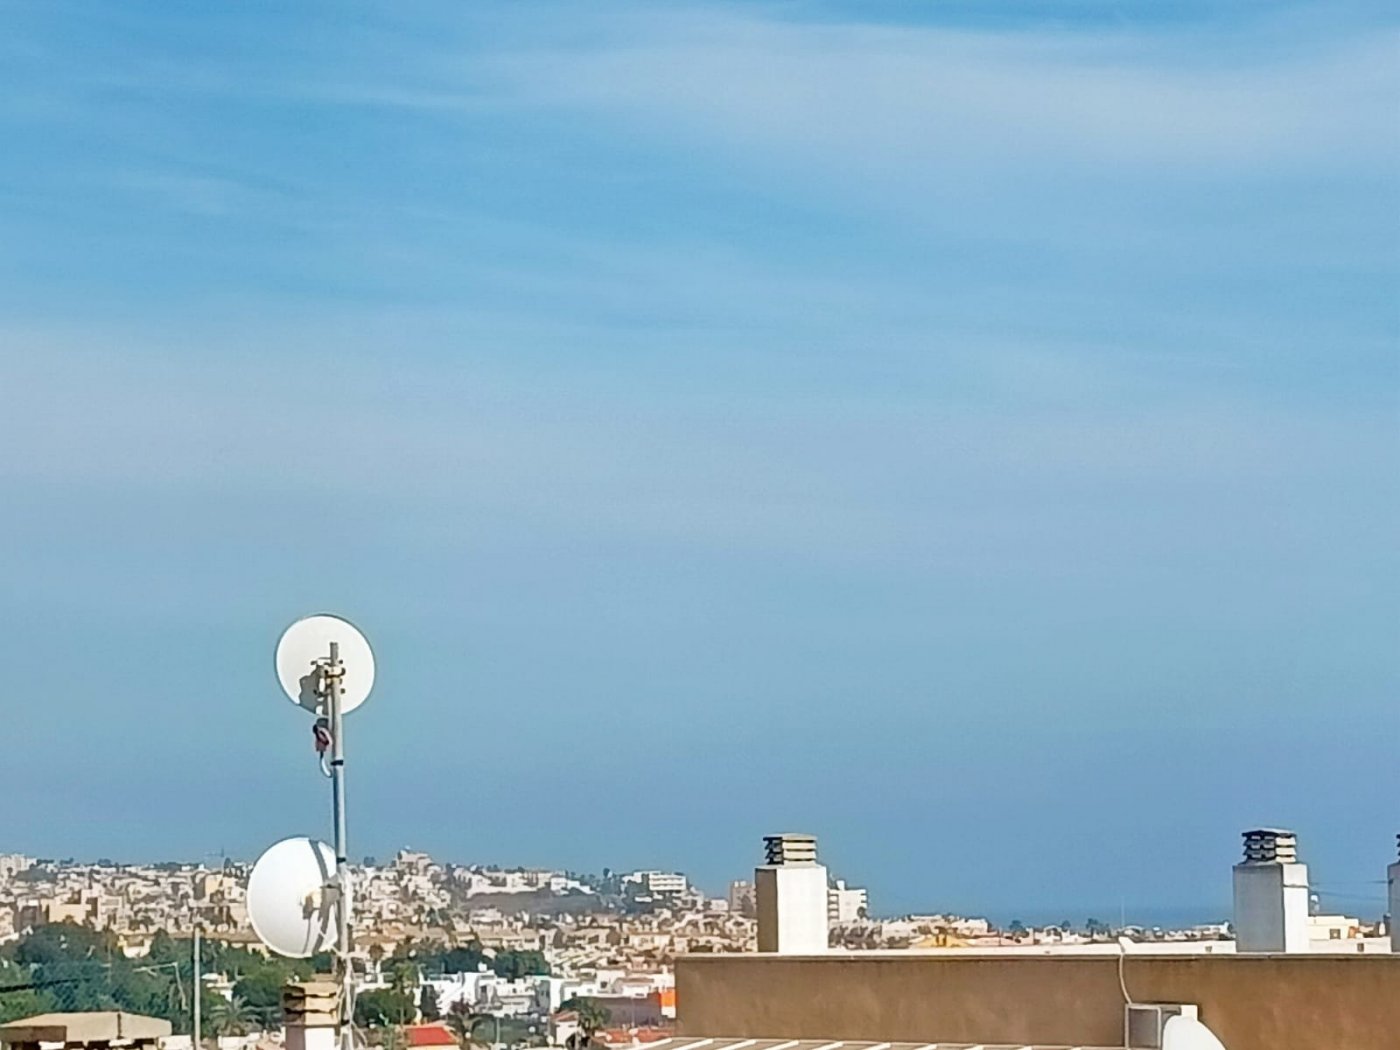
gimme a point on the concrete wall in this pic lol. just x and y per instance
(1259, 1002)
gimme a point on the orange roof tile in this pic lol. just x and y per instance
(429, 1035)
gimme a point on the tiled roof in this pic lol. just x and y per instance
(429, 1035)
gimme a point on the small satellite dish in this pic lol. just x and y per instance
(1187, 1033)
(291, 899)
(305, 644)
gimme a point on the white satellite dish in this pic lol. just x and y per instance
(1187, 1033)
(305, 645)
(292, 898)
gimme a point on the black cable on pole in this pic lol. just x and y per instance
(30, 986)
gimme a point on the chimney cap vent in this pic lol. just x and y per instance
(790, 848)
(1270, 846)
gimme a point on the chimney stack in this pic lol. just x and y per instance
(311, 1013)
(1271, 894)
(1393, 877)
(790, 895)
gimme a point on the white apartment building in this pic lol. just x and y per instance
(11, 864)
(488, 993)
(846, 904)
(659, 882)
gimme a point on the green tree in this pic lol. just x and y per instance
(403, 977)
(462, 1021)
(164, 950)
(230, 1016)
(27, 1003)
(592, 1016)
(459, 1021)
(143, 991)
(462, 959)
(383, 1006)
(75, 968)
(261, 992)
(428, 1007)
(23, 1001)
(62, 943)
(513, 965)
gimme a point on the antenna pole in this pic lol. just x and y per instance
(198, 981)
(333, 672)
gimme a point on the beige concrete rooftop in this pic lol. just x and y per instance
(110, 1027)
(717, 1043)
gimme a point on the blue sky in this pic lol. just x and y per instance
(967, 432)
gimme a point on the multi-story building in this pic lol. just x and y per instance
(846, 904)
(741, 898)
(659, 883)
(11, 864)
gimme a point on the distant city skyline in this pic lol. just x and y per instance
(1170, 915)
(1117, 913)
(964, 432)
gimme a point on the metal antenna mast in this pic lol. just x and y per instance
(195, 958)
(332, 671)
(300, 893)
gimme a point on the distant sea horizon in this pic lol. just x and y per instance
(1166, 917)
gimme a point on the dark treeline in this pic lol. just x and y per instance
(68, 967)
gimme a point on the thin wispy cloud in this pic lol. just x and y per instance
(872, 98)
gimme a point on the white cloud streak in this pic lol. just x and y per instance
(882, 98)
(440, 445)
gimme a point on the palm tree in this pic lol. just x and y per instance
(461, 1020)
(592, 1016)
(230, 1016)
(376, 956)
(428, 1008)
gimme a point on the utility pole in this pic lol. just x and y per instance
(198, 985)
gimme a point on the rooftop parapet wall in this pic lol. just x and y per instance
(1257, 1002)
